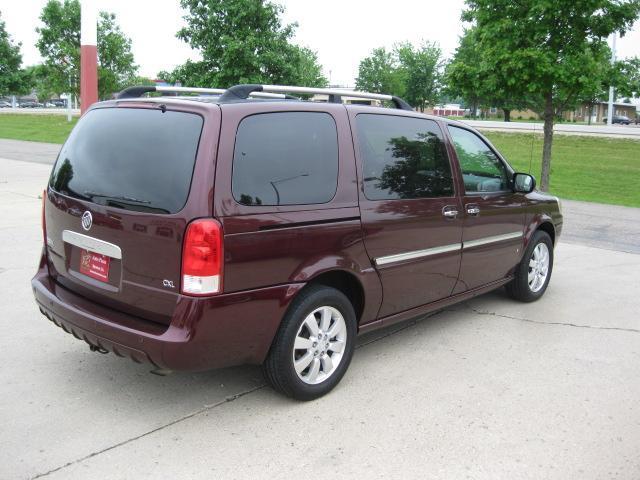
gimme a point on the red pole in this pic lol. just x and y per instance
(88, 55)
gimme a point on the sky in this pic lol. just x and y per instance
(342, 32)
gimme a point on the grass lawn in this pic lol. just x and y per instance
(36, 128)
(593, 169)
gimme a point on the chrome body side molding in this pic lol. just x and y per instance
(492, 239)
(399, 257)
(417, 254)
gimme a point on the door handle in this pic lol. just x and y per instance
(450, 212)
(473, 210)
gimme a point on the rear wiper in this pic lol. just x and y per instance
(92, 195)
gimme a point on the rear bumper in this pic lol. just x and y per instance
(204, 333)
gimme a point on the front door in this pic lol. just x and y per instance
(409, 209)
(493, 214)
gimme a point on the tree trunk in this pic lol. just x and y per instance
(507, 114)
(590, 113)
(548, 140)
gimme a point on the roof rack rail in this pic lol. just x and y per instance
(241, 92)
(138, 91)
(244, 91)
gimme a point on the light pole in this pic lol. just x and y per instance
(611, 88)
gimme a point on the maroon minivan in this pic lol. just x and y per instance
(250, 226)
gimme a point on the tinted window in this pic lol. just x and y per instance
(482, 170)
(285, 158)
(134, 159)
(403, 158)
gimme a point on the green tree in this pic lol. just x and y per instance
(13, 80)
(116, 65)
(381, 72)
(464, 75)
(626, 77)
(599, 91)
(307, 71)
(59, 45)
(547, 50)
(39, 81)
(422, 72)
(471, 75)
(242, 41)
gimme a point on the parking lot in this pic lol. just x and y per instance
(487, 389)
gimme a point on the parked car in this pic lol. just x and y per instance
(4, 104)
(244, 229)
(55, 103)
(30, 104)
(621, 119)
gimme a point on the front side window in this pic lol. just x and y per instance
(285, 158)
(482, 170)
(403, 158)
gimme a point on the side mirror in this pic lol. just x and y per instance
(523, 183)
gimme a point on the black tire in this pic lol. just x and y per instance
(519, 288)
(279, 366)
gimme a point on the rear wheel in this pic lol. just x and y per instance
(314, 345)
(534, 271)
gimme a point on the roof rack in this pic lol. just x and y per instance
(138, 91)
(244, 91)
(241, 92)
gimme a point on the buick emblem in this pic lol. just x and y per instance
(87, 220)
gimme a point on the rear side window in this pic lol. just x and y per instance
(403, 158)
(482, 170)
(134, 159)
(286, 158)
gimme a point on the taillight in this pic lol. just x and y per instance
(44, 223)
(202, 258)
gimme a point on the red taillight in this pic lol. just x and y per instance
(44, 223)
(202, 258)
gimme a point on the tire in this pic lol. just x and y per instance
(528, 284)
(283, 367)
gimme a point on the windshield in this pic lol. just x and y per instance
(133, 159)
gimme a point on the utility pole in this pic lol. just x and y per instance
(88, 54)
(611, 89)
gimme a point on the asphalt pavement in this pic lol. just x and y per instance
(488, 389)
(37, 152)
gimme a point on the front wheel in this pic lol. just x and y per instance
(314, 344)
(534, 271)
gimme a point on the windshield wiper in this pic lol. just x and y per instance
(92, 195)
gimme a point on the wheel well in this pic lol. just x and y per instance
(347, 283)
(548, 228)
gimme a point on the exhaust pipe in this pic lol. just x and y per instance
(94, 348)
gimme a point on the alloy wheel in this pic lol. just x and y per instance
(319, 345)
(538, 267)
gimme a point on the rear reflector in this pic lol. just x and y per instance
(202, 258)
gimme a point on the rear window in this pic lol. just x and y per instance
(134, 159)
(286, 158)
